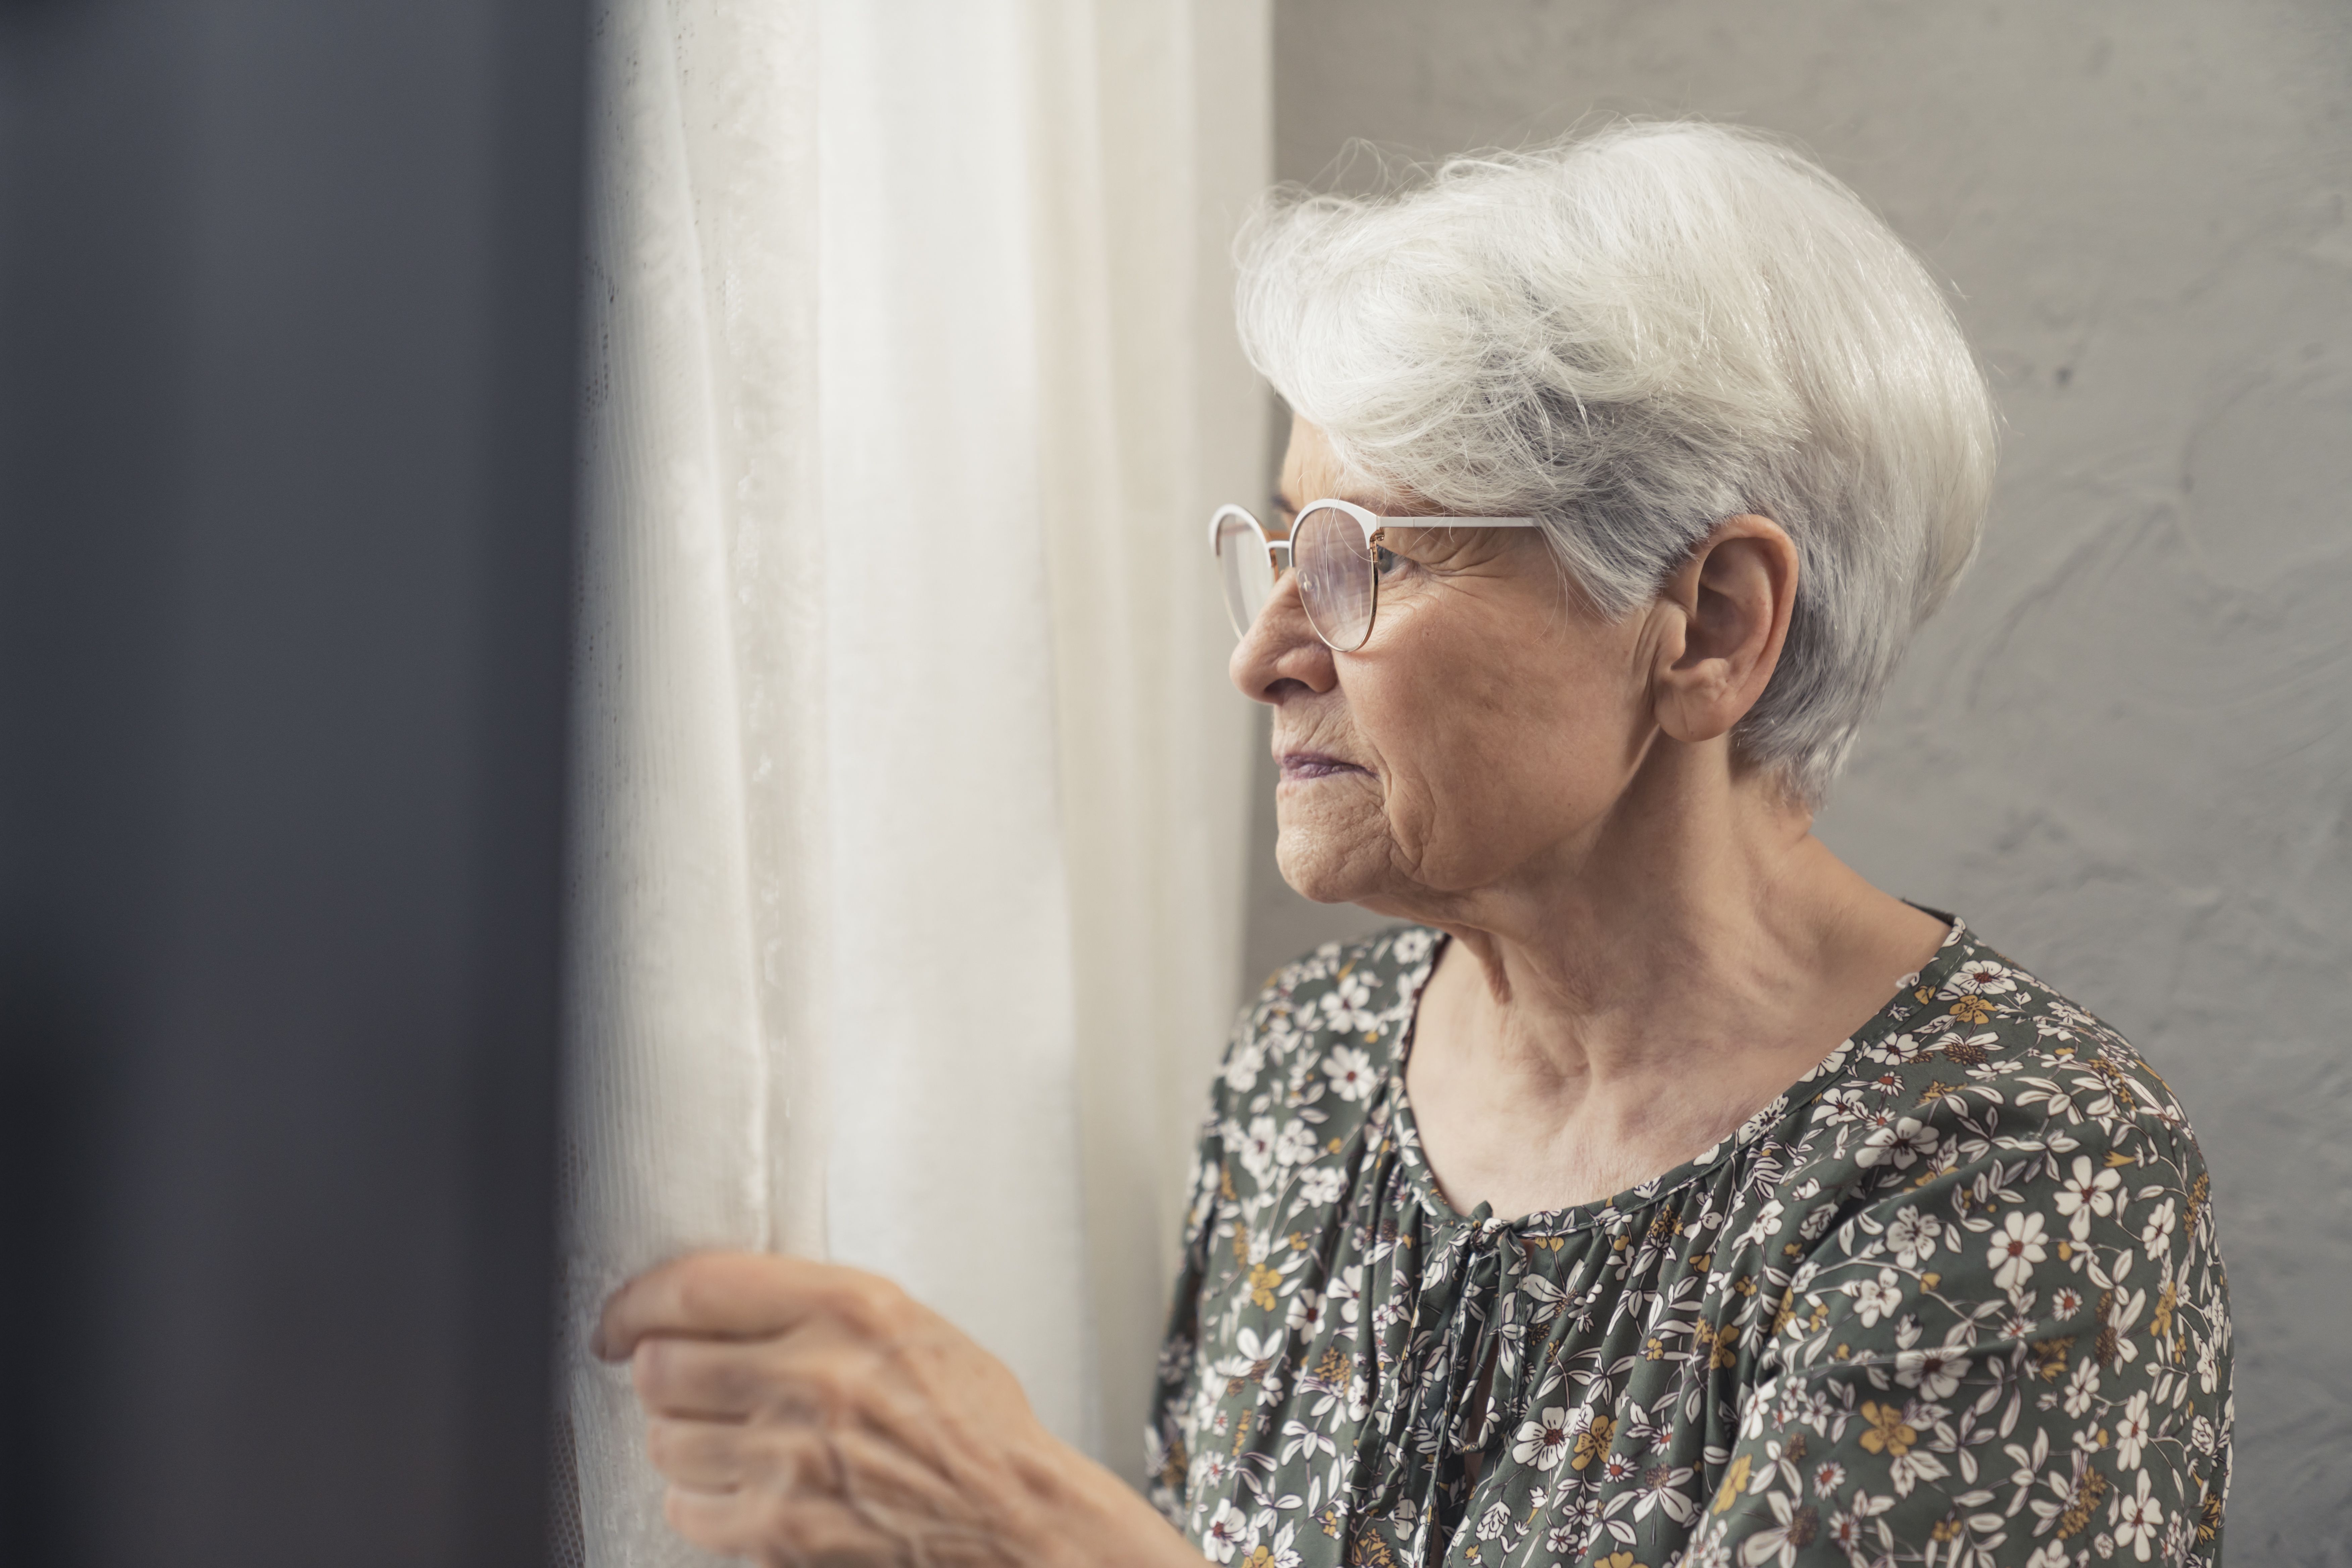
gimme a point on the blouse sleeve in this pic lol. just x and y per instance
(2020, 1360)
(1168, 1438)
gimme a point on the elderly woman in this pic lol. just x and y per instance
(1664, 1193)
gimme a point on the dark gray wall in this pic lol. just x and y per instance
(2124, 752)
(287, 296)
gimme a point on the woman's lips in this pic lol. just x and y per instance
(1299, 766)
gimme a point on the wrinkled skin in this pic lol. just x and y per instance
(806, 1414)
(1648, 943)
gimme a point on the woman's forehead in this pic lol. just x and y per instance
(1312, 471)
(1308, 465)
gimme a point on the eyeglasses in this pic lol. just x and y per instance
(1335, 547)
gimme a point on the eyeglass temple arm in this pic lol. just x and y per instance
(1471, 523)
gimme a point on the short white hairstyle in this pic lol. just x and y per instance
(1631, 335)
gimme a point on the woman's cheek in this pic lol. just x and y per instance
(1333, 835)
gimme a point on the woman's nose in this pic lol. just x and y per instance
(1281, 646)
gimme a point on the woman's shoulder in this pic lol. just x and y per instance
(1311, 1052)
(1353, 996)
(1988, 1106)
(1986, 1221)
(1978, 1060)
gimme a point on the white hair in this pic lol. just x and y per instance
(1632, 336)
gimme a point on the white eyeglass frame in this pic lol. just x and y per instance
(1373, 524)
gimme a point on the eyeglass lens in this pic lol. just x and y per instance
(1338, 582)
(1245, 570)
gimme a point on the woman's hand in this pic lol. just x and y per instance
(810, 1413)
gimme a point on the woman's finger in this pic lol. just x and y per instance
(814, 1532)
(730, 1379)
(702, 1455)
(705, 1380)
(733, 1524)
(735, 1295)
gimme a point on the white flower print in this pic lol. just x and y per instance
(1934, 1373)
(2139, 1520)
(1980, 977)
(1350, 1072)
(1256, 1149)
(2081, 1386)
(1901, 1304)
(2132, 1431)
(1226, 1529)
(1767, 1221)
(1343, 1008)
(2016, 1248)
(1662, 1489)
(1320, 1185)
(1875, 1298)
(1913, 1237)
(2086, 1194)
(1841, 1106)
(1346, 1293)
(1897, 1147)
(1899, 1048)
(1544, 1441)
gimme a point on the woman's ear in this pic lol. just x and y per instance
(1728, 609)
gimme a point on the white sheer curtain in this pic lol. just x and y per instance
(911, 806)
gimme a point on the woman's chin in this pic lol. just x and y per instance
(1320, 870)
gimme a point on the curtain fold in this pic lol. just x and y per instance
(911, 801)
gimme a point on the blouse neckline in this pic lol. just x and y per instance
(1773, 1114)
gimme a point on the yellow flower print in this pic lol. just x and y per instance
(1887, 1434)
(1262, 1282)
(2083, 1506)
(1593, 1442)
(2093, 1353)
(1734, 1481)
(2159, 1322)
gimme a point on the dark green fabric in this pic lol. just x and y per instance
(1952, 1298)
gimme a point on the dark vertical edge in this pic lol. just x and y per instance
(93, 363)
(543, 71)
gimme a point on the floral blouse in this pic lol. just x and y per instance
(1951, 1300)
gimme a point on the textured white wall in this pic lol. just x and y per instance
(2125, 750)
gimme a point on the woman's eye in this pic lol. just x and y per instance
(1387, 561)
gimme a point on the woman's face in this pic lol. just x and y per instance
(1486, 728)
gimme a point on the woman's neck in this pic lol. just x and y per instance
(1602, 1016)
